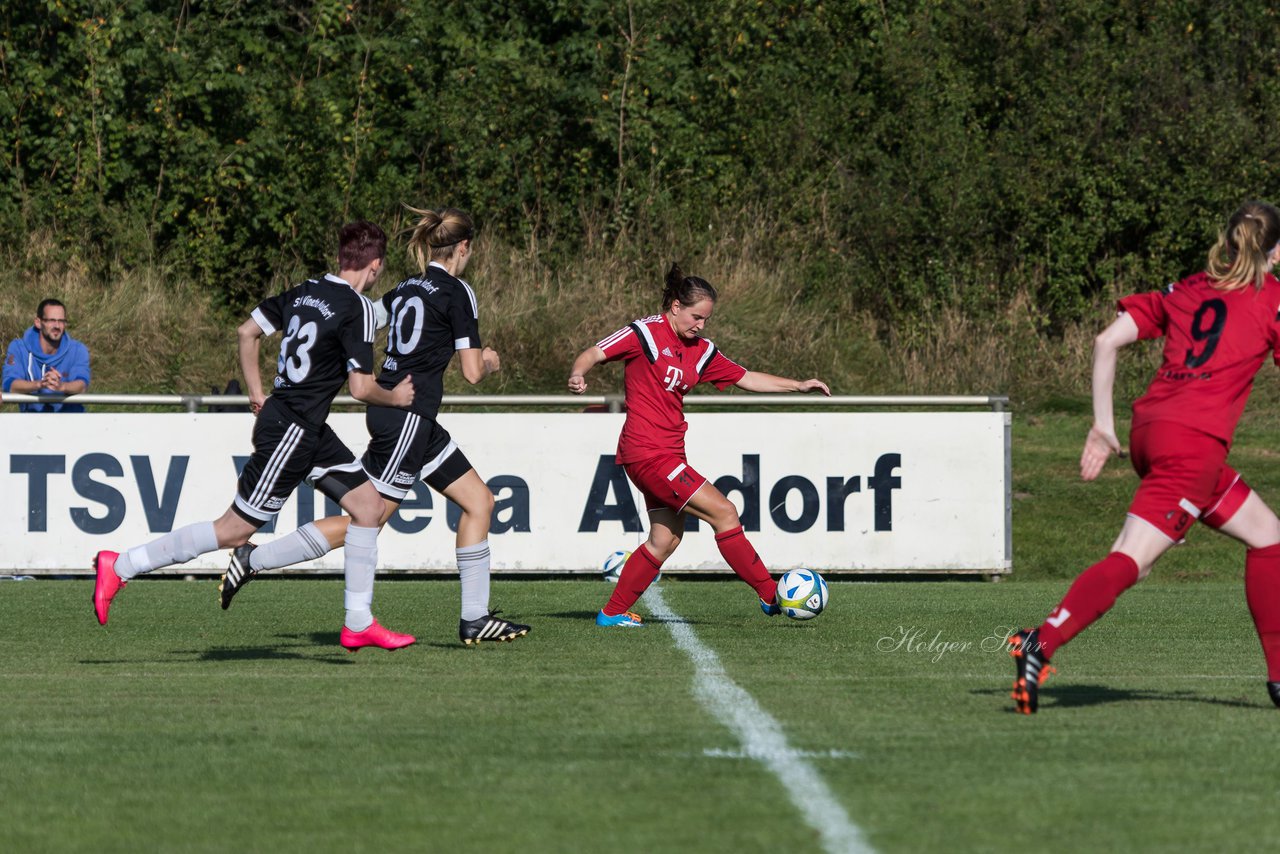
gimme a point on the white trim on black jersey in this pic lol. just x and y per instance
(475, 309)
(370, 319)
(267, 327)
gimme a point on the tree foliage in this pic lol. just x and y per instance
(912, 155)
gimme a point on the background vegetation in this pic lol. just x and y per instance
(921, 196)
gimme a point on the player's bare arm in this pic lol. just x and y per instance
(365, 389)
(477, 364)
(586, 360)
(249, 343)
(769, 384)
(1101, 442)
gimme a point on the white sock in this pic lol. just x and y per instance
(360, 561)
(306, 543)
(473, 570)
(180, 546)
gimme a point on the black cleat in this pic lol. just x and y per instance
(1031, 670)
(1273, 688)
(238, 574)
(490, 627)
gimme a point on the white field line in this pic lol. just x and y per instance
(761, 736)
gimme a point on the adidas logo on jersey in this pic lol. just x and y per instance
(666, 351)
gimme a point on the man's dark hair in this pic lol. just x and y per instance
(45, 304)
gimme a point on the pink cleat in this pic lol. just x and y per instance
(375, 635)
(107, 584)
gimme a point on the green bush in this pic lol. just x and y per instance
(913, 158)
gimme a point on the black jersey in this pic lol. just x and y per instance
(430, 316)
(328, 332)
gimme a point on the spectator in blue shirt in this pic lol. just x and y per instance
(46, 360)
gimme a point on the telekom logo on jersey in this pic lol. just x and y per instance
(109, 483)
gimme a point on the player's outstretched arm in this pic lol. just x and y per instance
(586, 360)
(1101, 442)
(769, 384)
(249, 342)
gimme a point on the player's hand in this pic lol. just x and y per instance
(1098, 448)
(256, 402)
(814, 385)
(402, 394)
(577, 383)
(492, 364)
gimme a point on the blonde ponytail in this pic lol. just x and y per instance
(436, 233)
(1240, 257)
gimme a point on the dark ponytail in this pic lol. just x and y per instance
(685, 290)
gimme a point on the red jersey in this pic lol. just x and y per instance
(1215, 342)
(660, 370)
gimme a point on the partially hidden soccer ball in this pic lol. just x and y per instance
(612, 567)
(802, 594)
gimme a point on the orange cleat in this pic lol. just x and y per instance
(375, 635)
(107, 585)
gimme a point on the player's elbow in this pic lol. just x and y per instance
(361, 386)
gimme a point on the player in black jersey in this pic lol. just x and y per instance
(328, 331)
(431, 316)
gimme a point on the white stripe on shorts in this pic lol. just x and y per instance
(279, 459)
(675, 471)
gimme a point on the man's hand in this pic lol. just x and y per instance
(492, 364)
(577, 383)
(52, 379)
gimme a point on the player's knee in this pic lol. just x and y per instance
(725, 516)
(662, 545)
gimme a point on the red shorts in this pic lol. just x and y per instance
(666, 481)
(1185, 477)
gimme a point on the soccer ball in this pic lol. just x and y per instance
(802, 594)
(613, 564)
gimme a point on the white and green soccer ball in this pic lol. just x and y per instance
(802, 594)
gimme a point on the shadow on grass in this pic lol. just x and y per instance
(648, 618)
(1075, 696)
(310, 646)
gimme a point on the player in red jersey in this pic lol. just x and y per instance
(1219, 326)
(666, 356)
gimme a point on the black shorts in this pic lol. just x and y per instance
(404, 448)
(285, 453)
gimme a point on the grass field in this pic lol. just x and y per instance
(182, 728)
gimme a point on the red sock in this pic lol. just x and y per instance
(743, 560)
(1091, 595)
(637, 574)
(1262, 591)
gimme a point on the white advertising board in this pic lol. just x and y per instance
(869, 492)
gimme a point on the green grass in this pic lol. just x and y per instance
(180, 727)
(1062, 524)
